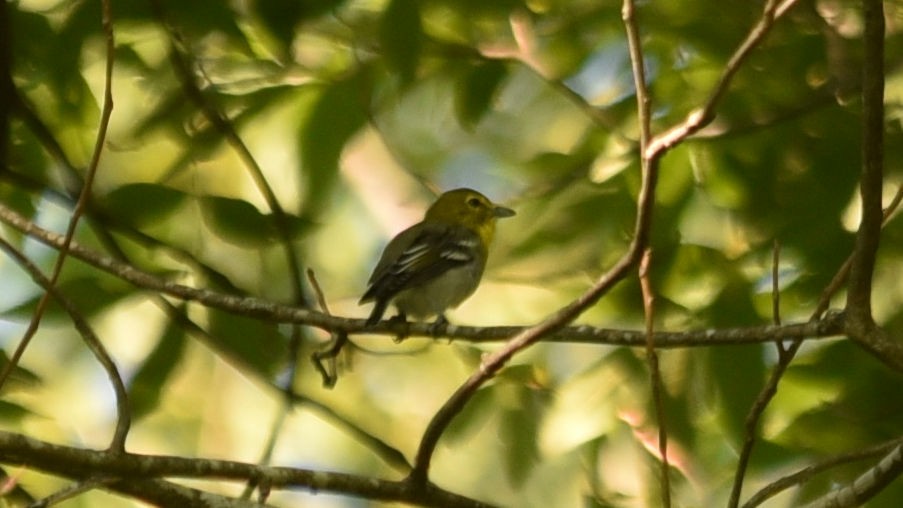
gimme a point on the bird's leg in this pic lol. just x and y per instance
(439, 326)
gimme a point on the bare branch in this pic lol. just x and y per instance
(274, 312)
(70, 492)
(132, 470)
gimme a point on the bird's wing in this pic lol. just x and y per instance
(424, 256)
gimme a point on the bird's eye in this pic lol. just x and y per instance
(474, 203)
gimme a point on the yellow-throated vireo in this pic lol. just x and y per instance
(437, 263)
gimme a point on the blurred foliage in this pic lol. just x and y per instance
(357, 111)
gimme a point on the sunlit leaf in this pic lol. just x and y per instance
(241, 223)
(142, 204)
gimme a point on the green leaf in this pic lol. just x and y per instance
(280, 17)
(472, 418)
(248, 342)
(12, 413)
(401, 36)
(476, 89)
(149, 382)
(142, 204)
(336, 116)
(237, 221)
(519, 428)
(89, 294)
(19, 377)
(241, 223)
(738, 373)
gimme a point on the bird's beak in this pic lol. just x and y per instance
(501, 211)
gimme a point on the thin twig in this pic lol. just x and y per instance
(70, 491)
(83, 198)
(776, 283)
(811, 471)
(785, 356)
(702, 116)
(182, 64)
(638, 65)
(337, 342)
(648, 166)
(655, 379)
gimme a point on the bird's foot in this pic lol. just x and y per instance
(400, 318)
(439, 326)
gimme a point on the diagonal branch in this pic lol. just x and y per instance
(133, 470)
(555, 322)
(700, 117)
(83, 198)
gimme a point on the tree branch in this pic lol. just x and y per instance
(867, 485)
(274, 312)
(859, 299)
(643, 225)
(131, 470)
(860, 325)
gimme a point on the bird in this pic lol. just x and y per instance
(437, 263)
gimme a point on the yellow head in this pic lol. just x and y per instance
(468, 208)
